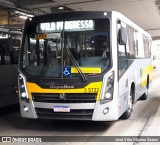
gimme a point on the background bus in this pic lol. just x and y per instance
(9, 54)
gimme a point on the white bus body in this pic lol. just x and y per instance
(126, 80)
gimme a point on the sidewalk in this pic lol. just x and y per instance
(152, 129)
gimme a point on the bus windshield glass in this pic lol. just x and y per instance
(62, 49)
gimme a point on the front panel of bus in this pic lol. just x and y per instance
(65, 68)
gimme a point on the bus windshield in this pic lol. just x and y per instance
(67, 48)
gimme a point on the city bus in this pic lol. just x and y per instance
(9, 53)
(83, 66)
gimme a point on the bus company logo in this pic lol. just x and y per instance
(62, 96)
(61, 87)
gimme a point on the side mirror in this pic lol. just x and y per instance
(122, 36)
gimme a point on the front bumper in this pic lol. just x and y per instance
(78, 111)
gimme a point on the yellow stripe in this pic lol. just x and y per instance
(34, 88)
(147, 71)
(87, 70)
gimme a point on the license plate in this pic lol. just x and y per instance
(61, 109)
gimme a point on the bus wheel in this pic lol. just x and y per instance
(128, 112)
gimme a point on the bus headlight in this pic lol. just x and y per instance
(108, 95)
(23, 95)
(22, 89)
(108, 88)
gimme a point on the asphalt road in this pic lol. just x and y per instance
(11, 123)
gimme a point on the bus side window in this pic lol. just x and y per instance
(147, 50)
(5, 55)
(121, 50)
(9, 52)
(2, 60)
(136, 43)
(14, 55)
(131, 42)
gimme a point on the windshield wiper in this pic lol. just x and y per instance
(44, 69)
(76, 65)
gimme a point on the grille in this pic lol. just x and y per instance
(79, 114)
(69, 98)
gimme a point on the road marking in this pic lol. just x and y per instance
(145, 127)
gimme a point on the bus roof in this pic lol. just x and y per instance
(85, 15)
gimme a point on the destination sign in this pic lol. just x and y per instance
(77, 25)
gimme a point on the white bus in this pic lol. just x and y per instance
(83, 66)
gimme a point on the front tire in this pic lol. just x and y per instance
(128, 112)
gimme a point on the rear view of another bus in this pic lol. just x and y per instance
(9, 54)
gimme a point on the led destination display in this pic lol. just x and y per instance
(77, 25)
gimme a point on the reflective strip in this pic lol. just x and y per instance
(87, 70)
(147, 71)
(34, 88)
